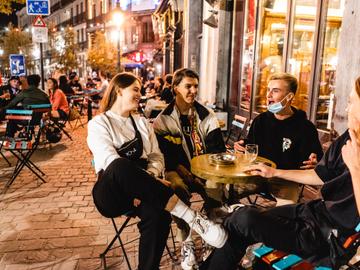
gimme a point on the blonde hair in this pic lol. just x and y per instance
(288, 78)
(120, 81)
(357, 90)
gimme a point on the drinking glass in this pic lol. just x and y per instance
(251, 152)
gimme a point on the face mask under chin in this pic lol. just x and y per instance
(277, 107)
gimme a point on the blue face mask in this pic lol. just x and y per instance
(278, 106)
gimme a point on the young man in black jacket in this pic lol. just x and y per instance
(284, 135)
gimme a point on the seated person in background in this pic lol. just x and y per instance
(166, 93)
(104, 84)
(8, 92)
(283, 135)
(128, 163)
(303, 229)
(64, 86)
(32, 95)
(74, 82)
(185, 129)
(60, 107)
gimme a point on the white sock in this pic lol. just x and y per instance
(181, 210)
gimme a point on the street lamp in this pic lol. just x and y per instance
(118, 18)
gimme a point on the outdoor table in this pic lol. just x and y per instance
(235, 173)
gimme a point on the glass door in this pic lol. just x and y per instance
(270, 53)
(248, 54)
(328, 61)
(301, 48)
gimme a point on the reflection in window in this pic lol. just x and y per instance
(271, 45)
(329, 63)
(247, 70)
(301, 50)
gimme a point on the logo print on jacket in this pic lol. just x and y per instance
(286, 144)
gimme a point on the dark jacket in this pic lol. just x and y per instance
(287, 142)
(30, 96)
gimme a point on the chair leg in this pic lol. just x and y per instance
(7, 161)
(172, 254)
(117, 236)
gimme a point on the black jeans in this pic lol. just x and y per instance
(113, 194)
(294, 229)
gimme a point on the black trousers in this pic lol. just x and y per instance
(113, 194)
(296, 229)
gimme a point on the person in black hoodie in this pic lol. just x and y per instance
(283, 135)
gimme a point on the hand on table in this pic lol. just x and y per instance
(311, 162)
(261, 170)
(239, 146)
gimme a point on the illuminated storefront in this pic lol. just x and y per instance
(296, 36)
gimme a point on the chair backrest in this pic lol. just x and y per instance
(29, 119)
(20, 115)
(39, 108)
(238, 129)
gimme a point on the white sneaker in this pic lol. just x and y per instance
(212, 233)
(188, 261)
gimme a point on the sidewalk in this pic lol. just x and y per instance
(55, 225)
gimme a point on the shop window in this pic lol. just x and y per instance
(329, 63)
(272, 26)
(301, 51)
(248, 55)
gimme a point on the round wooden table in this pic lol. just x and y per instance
(202, 167)
(227, 174)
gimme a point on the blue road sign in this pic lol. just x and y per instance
(38, 7)
(17, 64)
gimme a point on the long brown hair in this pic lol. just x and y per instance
(357, 86)
(120, 81)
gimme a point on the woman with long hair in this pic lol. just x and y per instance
(64, 86)
(60, 107)
(128, 163)
(351, 151)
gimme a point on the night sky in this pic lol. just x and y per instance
(5, 19)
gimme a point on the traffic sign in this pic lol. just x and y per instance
(39, 22)
(17, 64)
(40, 34)
(38, 7)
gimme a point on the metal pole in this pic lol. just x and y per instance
(119, 54)
(42, 67)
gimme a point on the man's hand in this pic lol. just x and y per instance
(239, 146)
(310, 163)
(165, 182)
(261, 170)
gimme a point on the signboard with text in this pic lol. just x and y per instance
(39, 30)
(17, 65)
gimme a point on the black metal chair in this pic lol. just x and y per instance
(119, 229)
